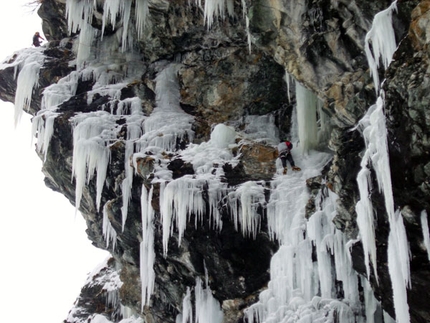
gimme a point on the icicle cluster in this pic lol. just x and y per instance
(207, 308)
(381, 37)
(296, 279)
(26, 64)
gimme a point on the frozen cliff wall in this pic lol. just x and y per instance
(158, 122)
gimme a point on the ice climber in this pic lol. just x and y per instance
(284, 154)
(36, 41)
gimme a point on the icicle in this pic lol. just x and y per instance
(213, 9)
(91, 134)
(134, 131)
(208, 309)
(251, 197)
(398, 267)
(142, 12)
(28, 79)
(187, 308)
(371, 304)
(425, 229)
(113, 9)
(86, 39)
(295, 278)
(181, 198)
(109, 232)
(365, 219)
(288, 81)
(306, 118)
(147, 253)
(78, 13)
(382, 39)
(248, 34)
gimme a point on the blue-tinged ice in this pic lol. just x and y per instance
(307, 103)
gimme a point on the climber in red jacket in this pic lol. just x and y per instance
(36, 41)
(284, 153)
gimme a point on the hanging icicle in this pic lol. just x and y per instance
(380, 42)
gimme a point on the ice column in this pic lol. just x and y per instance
(168, 122)
(306, 118)
(147, 253)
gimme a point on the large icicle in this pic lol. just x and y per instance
(364, 207)
(92, 135)
(382, 39)
(398, 267)
(208, 309)
(147, 253)
(28, 79)
(134, 131)
(425, 229)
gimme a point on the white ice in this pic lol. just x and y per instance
(147, 253)
(307, 103)
(26, 64)
(425, 229)
(376, 155)
(380, 42)
(92, 135)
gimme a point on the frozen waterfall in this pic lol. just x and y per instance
(381, 37)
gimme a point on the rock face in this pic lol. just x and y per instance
(116, 70)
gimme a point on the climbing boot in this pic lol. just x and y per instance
(295, 168)
(285, 171)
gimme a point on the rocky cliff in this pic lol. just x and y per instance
(159, 121)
